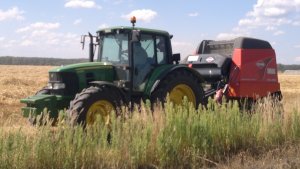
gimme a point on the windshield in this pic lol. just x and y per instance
(114, 48)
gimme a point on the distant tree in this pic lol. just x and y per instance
(10, 60)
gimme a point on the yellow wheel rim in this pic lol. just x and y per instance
(178, 92)
(100, 109)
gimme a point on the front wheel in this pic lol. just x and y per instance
(93, 103)
(43, 91)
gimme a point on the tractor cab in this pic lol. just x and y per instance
(133, 52)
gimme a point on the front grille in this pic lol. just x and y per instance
(55, 77)
(70, 80)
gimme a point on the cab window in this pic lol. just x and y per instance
(161, 51)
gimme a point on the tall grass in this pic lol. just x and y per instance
(170, 137)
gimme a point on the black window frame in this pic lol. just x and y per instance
(167, 50)
(113, 32)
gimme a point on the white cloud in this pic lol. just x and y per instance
(81, 4)
(39, 26)
(273, 8)
(245, 22)
(117, 2)
(297, 46)
(37, 33)
(296, 23)
(183, 47)
(270, 28)
(24, 29)
(273, 11)
(145, 15)
(43, 25)
(2, 39)
(40, 33)
(194, 14)
(11, 14)
(9, 44)
(229, 36)
(102, 26)
(51, 44)
(278, 33)
(54, 41)
(297, 59)
(236, 32)
(181, 44)
(269, 15)
(77, 21)
(26, 43)
(226, 36)
(71, 36)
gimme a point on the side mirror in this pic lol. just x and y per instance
(135, 36)
(176, 58)
(82, 41)
(91, 45)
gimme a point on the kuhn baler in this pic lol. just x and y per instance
(243, 68)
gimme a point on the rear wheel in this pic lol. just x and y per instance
(93, 103)
(179, 84)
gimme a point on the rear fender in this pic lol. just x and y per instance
(162, 72)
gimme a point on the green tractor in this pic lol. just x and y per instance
(132, 64)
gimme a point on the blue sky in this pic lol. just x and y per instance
(36, 28)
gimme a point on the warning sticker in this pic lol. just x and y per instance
(210, 59)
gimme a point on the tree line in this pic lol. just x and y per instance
(10, 60)
(282, 67)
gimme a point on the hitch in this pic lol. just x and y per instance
(220, 93)
(217, 92)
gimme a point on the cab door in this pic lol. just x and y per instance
(148, 53)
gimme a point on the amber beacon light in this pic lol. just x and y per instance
(133, 20)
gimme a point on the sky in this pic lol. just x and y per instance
(52, 28)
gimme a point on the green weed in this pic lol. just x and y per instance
(169, 137)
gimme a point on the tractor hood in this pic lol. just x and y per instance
(81, 66)
(78, 76)
(66, 82)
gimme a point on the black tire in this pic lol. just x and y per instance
(178, 77)
(79, 107)
(43, 91)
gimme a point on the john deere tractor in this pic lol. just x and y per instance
(132, 64)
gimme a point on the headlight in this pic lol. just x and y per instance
(56, 86)
(49, 86)
(59, 86)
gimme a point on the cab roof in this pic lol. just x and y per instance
(144, 30)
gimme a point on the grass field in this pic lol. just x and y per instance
(248, 142)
